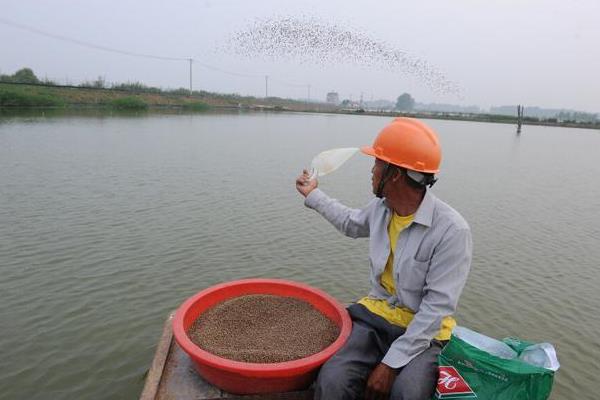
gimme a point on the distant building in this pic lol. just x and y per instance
(333, 98)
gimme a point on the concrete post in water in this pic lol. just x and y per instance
(520, 110)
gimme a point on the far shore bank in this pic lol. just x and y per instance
(21, 97)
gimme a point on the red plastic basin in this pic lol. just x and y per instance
(252, 378)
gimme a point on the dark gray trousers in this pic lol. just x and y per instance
(345, 375)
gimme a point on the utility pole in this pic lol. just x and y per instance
(308, 86)
(266, 86)
(191, 76)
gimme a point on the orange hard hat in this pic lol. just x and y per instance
(407, 143)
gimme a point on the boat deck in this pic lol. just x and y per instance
(172, 377)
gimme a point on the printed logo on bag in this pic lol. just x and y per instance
(452, 386)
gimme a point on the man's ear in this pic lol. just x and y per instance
(397, 175)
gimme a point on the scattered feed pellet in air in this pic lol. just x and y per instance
(308, 39)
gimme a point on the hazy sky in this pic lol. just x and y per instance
(544, 53)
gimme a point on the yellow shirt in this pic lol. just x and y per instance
(400, 316)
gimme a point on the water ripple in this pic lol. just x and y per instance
(108, 225)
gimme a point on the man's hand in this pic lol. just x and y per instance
(380, 383)
(304, 185)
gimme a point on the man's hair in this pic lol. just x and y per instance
(416, 180)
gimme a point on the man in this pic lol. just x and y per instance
(420, 255)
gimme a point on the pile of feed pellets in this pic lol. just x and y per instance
(262, 328)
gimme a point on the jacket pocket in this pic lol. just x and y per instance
(412, 278)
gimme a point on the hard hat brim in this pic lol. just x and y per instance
(368, 150)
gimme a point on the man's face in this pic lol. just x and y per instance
(376, 174)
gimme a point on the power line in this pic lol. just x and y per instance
(86, 44)
(82, 43)
(244, 75)
(291, 84)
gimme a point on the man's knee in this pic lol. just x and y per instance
(339, 381)
(345, 374)
(417, 380)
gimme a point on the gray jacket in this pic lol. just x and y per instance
(431, 263)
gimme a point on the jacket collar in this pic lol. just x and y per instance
(424, 214)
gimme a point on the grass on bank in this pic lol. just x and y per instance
(196, 106)
(32, 96)
(129, 103)
(21, 98)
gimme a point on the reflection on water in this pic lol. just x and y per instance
(109, 222)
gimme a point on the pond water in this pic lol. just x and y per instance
(109, 222)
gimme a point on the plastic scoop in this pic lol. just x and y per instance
(330, 160)
(542, 355)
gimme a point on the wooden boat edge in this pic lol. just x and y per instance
(165, 376)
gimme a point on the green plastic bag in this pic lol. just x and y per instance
(467, 372)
